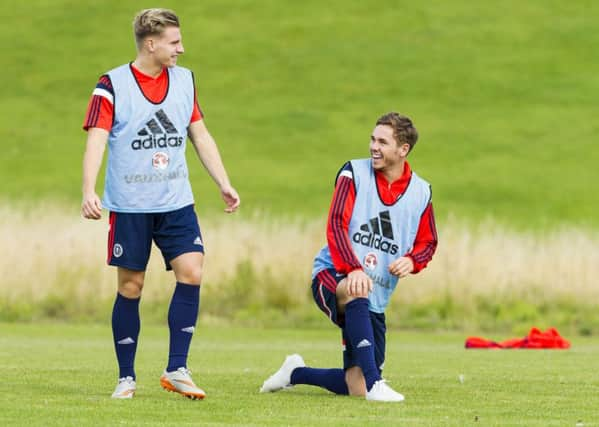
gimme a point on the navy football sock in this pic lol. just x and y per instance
(358, 329)
(331, 379)
(125, 330)
(182, 317)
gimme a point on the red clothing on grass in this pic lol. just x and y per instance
(100, 110)
(534, 340)
(340, 214)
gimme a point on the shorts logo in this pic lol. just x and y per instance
(363, 343)
(117, 250)
(370, 261)
(160, 160)
(198, 241)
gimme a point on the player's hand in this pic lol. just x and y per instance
(358, 284)
(231, 198)
(401, 267)
(91, 206)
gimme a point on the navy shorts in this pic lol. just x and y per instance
(323, 291)
(130, 237)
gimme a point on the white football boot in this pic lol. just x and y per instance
(282, 378)
(381, 392)
(180, 382)
(125, 389)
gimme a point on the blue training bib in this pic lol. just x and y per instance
(380, 233)
(146, 169)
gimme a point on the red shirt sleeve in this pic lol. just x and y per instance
(100, 110)
(425, 242)
(197, 113)
(342, 206)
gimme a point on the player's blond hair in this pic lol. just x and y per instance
(152, 22)
(404, 131)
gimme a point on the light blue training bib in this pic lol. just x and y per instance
(146, 169)
(380, 233)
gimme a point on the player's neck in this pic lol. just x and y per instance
(147, 66)
(395, 172)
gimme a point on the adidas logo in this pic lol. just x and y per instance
(363, 343)
(198, 241)
(127, 340)
(189, 329)
(375, 230)
(159, 132)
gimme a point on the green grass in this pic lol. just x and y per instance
(62, 375)
(502, 93)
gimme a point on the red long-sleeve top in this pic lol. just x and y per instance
(342, 206)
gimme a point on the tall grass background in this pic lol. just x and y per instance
(257, 272)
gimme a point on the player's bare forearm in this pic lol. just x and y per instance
(208, 153)
(91, 206)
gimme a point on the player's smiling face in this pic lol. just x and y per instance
(168, 46)
(385, 152)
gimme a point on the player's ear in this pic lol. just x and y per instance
(149, 43)
(404, 149)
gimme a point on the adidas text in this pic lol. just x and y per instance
(375, 242)
(152, 142)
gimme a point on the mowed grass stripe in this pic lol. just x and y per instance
(55, 374)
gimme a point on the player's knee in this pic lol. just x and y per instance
(192, 275)
(131, 288)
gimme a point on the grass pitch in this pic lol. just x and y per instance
(56, 374)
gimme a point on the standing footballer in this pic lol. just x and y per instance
(380, 229)
(145, 110)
